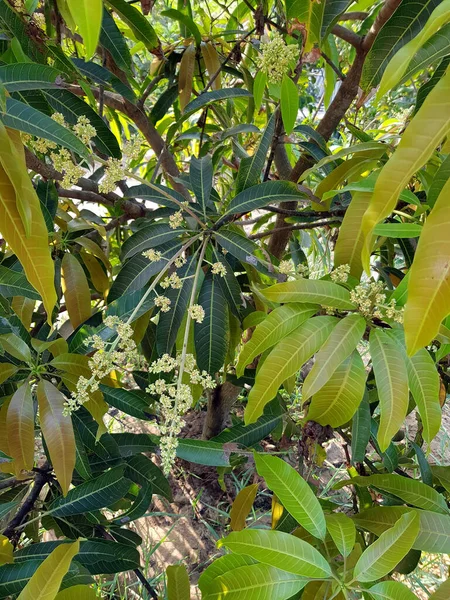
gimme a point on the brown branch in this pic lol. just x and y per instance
(347, 35)
(40, 480)
(354, 16)
(289, 228)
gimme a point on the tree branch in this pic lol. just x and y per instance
(40, 480)
(289, 228)
(347, 35)
(354, 16)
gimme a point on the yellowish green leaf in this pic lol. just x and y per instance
(343, 532)
(391, 590)
(350, 240)
(58, 432)
(15, 346)
(443, 592)
(87, 15)
(242, 506)
(212, 63)
(6, 551)
(316, 291)
(20, 428)
(178, 587)
(77, 592)
(98, 276)
(76, 290)
(6, 371)
(186, 75)
(23, 307)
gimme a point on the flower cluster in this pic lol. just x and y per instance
(176, 220)
(108, 356)
(63, 162)
(84, 130)
(286, 267)
(173, 281)
(218, 268)
(276, 57)
(197, 313)
(370, 299)
(163, 303)
(115, 169)
(340, 274)
(175, 399)
(302, 270)
(152, 255)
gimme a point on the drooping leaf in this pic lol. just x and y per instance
(256, 582)
(58, 432)
(20, 428)
(293, 491)
(289, 103)
(186, 74)
(76, 290)
(392, 384)
(136, 21)
(391, 589)
(77, 592)
(178, 587)
(87, 15)
(239, 246)
(131, 402)
(212, 334)
(208, 97)
(201, 178)
(310, 290)
(249, 435)
(279, 550)
(388, 550)
(16, 346)
(338, 347)
(150, 236)
(428, 286)
(338, 400)
(436, 48)
(45, 582)
(27, 76)
(212, 64)
(13, 284)
(310, 15)
(92, 495)
(181, 17)
(242, 506)
(361, 430)
(332, 11)
(343, 531)
(277, 325)
(142, 470)
(429, 125)
(6, 371)
(112, 40)
(284, 360)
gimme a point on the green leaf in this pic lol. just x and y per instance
(294, 493)
(207, 97)
(350, 240)
(28, 76)
(425, 89)
(251, 167)
(418, 142)
(202, 452)
(436, 48)
(178, 587)
(170, 322)
(409, 490)
(254, 582)
(399, 62)
(391, 590)
(104, 77)
(388, 550)
(277, 325)
(87, 15)
(77, 592)
(407, 21)
(72, 107)
(310, 15)
(289, 103)
(212, 334)
(249, 435)
(440, 179)
(222, 565)
(150, 236)
(92, 495)
(13, 283)
(284, 360)
(230, 285)
(280, 550)
(332, 11)
(25, 118)
(176, 15)
(259, 85)
(343, 531)
(46, 581)
(112, 40)
(136, 22)
(159, 194)
(361, 430)
(131, 402)
(239, 246)
(241, 507)
(338, 400)
(133, 443)
(317, 291)
(262, 195)
(392, 384)
(338, 347)
(429, 284)
(442, 592)
(398, 230)
(142, 470)
(201, 178)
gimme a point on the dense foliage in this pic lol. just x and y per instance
(223, 207)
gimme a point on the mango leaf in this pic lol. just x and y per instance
(361, 430)
(112, 40)
(100, 75)
(259, 85)
(428, 287)
(239, 246)
(289, 103)
(338, 400)
(338, 347)
(131, 402)
(76, 290)
(92, 495)
(317, 291)
(399, 63)
(203, 452)
(391, 589)
(249, 435)
(6, 550)
(177, 15)
(24, 117)
(343, 531)
(27, 76)
(87, 15)
(294, 493)
(411, 491)
(388, 550)
(201, 178)
(185, 76)
(392, 384)
(280, 550)
(13, 283)
(58, 432)
(20, 428)
(332, 11)
(425, 89)
(277, 325)
(77, 592)
(398, 230)
(212, 64)
(255, 582)
(16, 346)
(442, 592)
(150, 236)
(406, 22)
(6, 371)
(136, 22)
(207, 97)
(310, 16)
(261, 195)
(46, 581)
(429, 125)
(436, 48)
(284, 360)
(222, 565)
(242, 506)
(142, 470)
(212, 334)
(178, 587)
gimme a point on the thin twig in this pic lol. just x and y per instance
(313, 225)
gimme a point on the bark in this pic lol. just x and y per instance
(220, 401)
